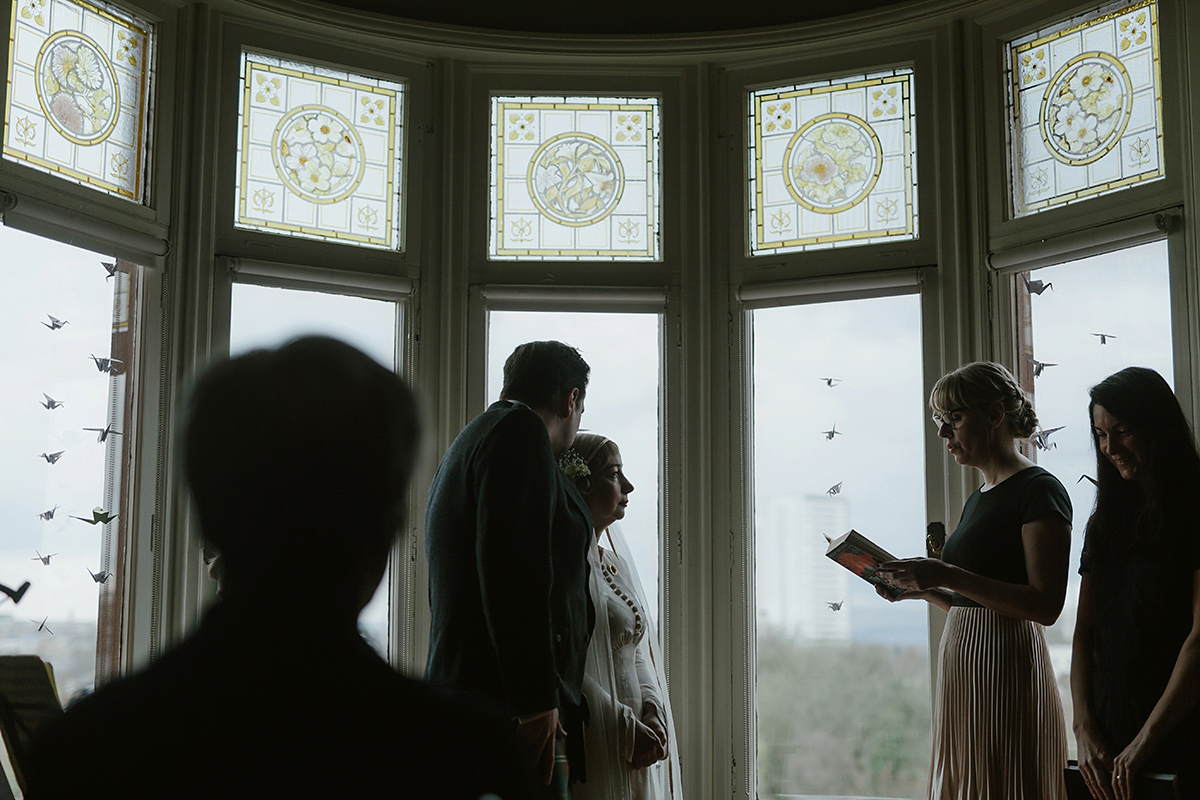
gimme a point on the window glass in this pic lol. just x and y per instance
(622, 403)
(65, 457)
(78, 76)
(319, 153)
(268, 317)
(832, 163)
(575, 178)
(1085, 107)
(1127, 297)
(843, 676)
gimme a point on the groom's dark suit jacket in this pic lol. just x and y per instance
(506, 535)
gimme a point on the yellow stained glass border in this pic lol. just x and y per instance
(761, 245)
(394, 95)
(503, 105)
(130, 23)
(1046, 36)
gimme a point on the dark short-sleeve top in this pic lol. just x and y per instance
(987, 540)
(1141, 602)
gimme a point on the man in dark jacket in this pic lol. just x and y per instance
(299, 461)
(506, 535)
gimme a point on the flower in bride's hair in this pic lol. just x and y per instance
(573, 465)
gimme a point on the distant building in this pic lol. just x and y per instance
(795, 581)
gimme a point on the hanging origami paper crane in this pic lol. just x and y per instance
(48, 515)
(55, 323)
(15, 594)
(52, 458)
(44, 559)
(832, 432)
(50, 403)
(99, 517)
(103, 433)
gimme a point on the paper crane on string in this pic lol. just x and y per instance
(1092, 480)
(52, 458)
(42, 625)
(110, 267)
(832, 432)
(45, 559)
(835, 606)
(50, 403)
(108, 365)
(48, 514)
(15, 594)
(1036, 286)
(99, 517)
(102, 434)
(99, 577)
(1039, 366)
(835, 489)
(830, 381)
(1104, 337)
(1041, 439)
(55, 323)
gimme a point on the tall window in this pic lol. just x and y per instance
(1080, 322)
(66, 456)
(839, 415)
(622, 403)
(264, 316)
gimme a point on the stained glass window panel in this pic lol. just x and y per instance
(319, 153)
(1085, 107)
(78, 81)
(575, 178)
(832, 163)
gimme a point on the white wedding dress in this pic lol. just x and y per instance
(624, 671)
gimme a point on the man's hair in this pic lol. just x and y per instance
(299, 455)
(541, 374)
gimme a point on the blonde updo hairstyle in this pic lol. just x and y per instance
(595, 450)
(981, 383)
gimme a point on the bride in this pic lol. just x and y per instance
(629, 741)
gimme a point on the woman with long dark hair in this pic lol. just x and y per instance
(1135, 667)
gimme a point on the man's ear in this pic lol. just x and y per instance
(567, 407)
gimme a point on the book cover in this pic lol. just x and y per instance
(861, 556)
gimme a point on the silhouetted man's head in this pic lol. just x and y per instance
(299, 461)
(541, 374)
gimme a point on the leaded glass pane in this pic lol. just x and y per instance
(1085, 107)
(575, 178)
(78, 80)
(832, 163)
(319, 153)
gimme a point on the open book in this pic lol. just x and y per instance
(861, 556)
(28, 700)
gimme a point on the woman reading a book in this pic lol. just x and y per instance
(998, 729)
(1135, 667)
(629, 740)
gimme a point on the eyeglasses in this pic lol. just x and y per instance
(953, 417)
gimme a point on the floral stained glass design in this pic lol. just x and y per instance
(575, 178)
(1085, 107)
(319, 153)
(78, 81)
(832, 163)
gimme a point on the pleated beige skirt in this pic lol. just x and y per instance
(998, 731)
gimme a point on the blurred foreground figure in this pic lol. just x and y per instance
(298, 461)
